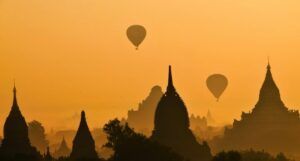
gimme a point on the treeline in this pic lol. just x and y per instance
(249, 155)
(131, 146)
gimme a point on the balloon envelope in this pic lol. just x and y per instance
(136, 34)
(217, 84)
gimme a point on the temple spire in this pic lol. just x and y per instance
(15, 102)
(269, 91)
(82, 116)
(269, 78)
(83, 143)
(170, 87)
(172, 126)
(16, 140)
(269, 66)
(83, 124)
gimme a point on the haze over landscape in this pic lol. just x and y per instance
(68, 56)
(197, 80)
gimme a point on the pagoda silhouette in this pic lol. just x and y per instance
(63, 150)
(16, 144)
(270, 126)
(171, 126)
(83, 143)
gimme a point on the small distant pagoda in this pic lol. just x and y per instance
(172, 126)
(270, 125)
(83, 143)
(16, 141)
(63, 150)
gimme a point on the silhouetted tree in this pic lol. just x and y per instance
(20, 157)
(48, 156)
(252, 155)
(131, 146)
(249, 155)
(281, 157)
(0, 140)
(37, 136)
(228, 156)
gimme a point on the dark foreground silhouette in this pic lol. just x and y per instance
(249, 155)
(131, 146)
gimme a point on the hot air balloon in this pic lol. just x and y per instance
(217, 84)
(136, 34)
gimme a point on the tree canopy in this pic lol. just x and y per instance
(131, 146)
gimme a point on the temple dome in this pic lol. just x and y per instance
(171, 126)
(171, 113)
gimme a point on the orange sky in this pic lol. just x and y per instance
(69, 55)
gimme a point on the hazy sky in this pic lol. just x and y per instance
(69, 55)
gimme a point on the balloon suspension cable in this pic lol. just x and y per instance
(137, 48)
(217, 100)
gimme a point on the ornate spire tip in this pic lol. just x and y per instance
(269, 66)
(170, 81)
(82, 114)
(15, 89)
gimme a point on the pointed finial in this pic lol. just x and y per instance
(82, 114)
(269, 66)
(170, 79)
(15, 89)
(170, 87)
(83, 119)
(15, 102)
